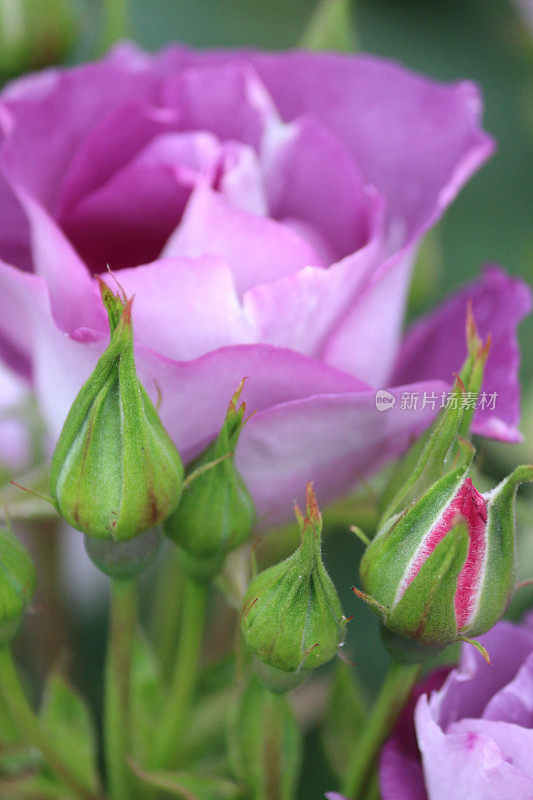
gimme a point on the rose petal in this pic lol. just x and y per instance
(127, 220)
(73, 294)
(111, 143)
(400, 768)
(400, 776)
(300, 310)
(185, 307)
(19, 292)
(514, 703)
(311, 176)
(257, 249)
(467, 688)
(228, 99)
(44, 116)
(466, 765)
(241, 178)
(15, 439)
(515, 742)
(435, 347)
(415, 140)
(14, 231)
(333, 440)
(366, 324)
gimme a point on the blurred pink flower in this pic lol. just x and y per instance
(471, 737)
(265, 210)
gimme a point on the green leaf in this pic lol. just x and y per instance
(146, 699)
(68, 720)
(188, 786)
(345, 717)
(330, 28)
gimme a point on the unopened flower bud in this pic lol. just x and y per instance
(444, 569)
(216, 512)
(115, 471)
(292, 619)
(17, 584)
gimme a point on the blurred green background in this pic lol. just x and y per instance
(491, 220)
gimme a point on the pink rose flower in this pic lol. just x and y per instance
(16, 449)
(265, 211)
(471, 737)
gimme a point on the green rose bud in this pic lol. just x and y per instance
(115, 472)
(17, 584)
(216, 513)
(444, 569)
(292, 619)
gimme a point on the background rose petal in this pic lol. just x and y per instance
(435, 346)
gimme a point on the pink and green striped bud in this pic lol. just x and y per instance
(115, 471)
(443, 570)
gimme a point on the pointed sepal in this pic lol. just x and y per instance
(430, 455)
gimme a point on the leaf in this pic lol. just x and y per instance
(344, 720)
(187, 785)
(68, 720)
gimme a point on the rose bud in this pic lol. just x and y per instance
(292, 619)
(264, 742)
(17, 584)
(444, 569)
(216, 513)
(429, 455)
(115, 471)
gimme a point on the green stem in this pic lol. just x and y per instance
(122, 624)
(166, 614)
(31, 729)
(168, 742)
(391, 699)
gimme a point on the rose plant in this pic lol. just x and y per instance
(265, 211)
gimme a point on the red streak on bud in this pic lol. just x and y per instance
(470, 505)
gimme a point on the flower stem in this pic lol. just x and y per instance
(31, 729)
(391, 699)
(168, 742)
(166, 613)
(122, 623)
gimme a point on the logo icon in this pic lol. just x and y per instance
(384, 400)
